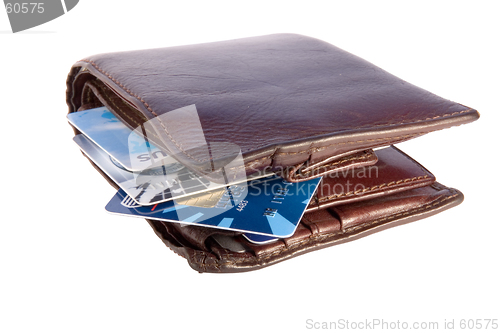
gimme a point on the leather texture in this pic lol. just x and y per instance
(394, 172)
(284, 99)
(402, 192)
(295, 105)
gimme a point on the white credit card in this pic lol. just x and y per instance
(151, 186)
(127, 147)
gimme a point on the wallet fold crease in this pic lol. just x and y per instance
(321, 104)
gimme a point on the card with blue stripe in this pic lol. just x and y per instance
(143, 171)
(271, 207)
(130, 150)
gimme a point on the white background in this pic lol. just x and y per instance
(68, 266)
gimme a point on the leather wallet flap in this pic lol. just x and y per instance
(284, 99)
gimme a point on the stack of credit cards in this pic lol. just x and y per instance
(264, 207)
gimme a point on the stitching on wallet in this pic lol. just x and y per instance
(180, 148)
(118, 107)
(316, 149)
(111, 100)
(414, 162)
(388, 124)
(341, 161)
(430, 205)
(328, 236)
(412, 121)
(146, 105)
(323, 238)
(393, 183)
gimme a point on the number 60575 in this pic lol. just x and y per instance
(24, 8)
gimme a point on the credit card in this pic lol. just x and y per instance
(127, 148)
(181, 180)
(272, 207)
(154, 175)
(173, 181)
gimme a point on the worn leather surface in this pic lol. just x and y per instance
(297, 105)
(284, 99)
(317, 230)
(401, 191)
(394, 172)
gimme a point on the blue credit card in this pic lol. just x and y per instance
(271, 207)
(129, 148)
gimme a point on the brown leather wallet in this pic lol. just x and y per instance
(294, 105)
